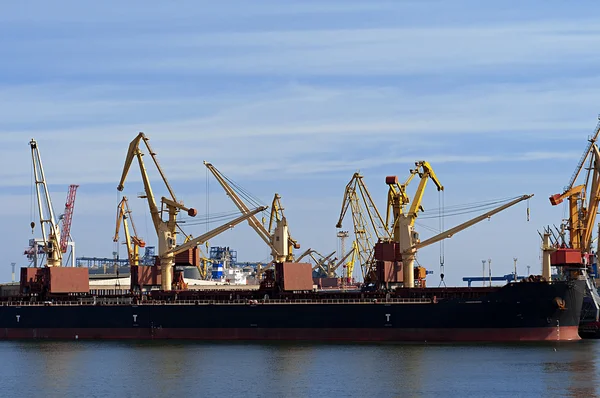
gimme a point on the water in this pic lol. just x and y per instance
(186, 369)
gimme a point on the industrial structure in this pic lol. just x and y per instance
(132, 242)
(389, 261)
(573, 256)
(394, 303)
(401, 223)
(277, 236)
(51, 240)
(167, 230)
(369, 227)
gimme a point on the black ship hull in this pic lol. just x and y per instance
(534, 311)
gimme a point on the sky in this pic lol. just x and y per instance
(294, 97)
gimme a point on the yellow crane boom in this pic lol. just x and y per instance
(132, 242)
(452, 231)
(425, 172)
(166, 230)
(277, 237)
(398, 197)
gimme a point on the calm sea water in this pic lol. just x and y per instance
(159, 369)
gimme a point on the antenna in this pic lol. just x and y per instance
(515, 260)
(483, 270)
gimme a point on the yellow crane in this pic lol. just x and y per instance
(398, 197)
(367, 221)
(409, 253)
(584, 198)
(574, 224)
(277, 237)
(454, 230)
(166, 230)
(583, 208)
(132, 242)
(277, 220)
(350, 263)
(402, 223)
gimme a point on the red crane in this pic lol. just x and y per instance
(68, 218)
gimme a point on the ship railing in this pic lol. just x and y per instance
(116, 301)
(295, 301)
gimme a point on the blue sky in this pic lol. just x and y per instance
(293, 97)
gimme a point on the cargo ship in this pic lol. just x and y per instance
(394, 304)
(532, 310)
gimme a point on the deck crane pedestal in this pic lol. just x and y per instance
(166, 230)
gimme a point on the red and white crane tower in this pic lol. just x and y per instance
(67, 220)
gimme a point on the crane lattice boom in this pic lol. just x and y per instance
(367, 222)
(68, 218)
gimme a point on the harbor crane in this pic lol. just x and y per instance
(277, 236)
(404, 244)
(367, 222)
(51, 236)
(67, 220)
(132, 242)
(583, 202)
(583, 198)
(402, 223)
(166, 230)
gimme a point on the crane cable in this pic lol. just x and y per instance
(458, 210)
(441, 226)
(245, 194)
(207, 201)
(225, 216)
(31, 210)
(116, 244)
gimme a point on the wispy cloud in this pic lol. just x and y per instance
(295, 97)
